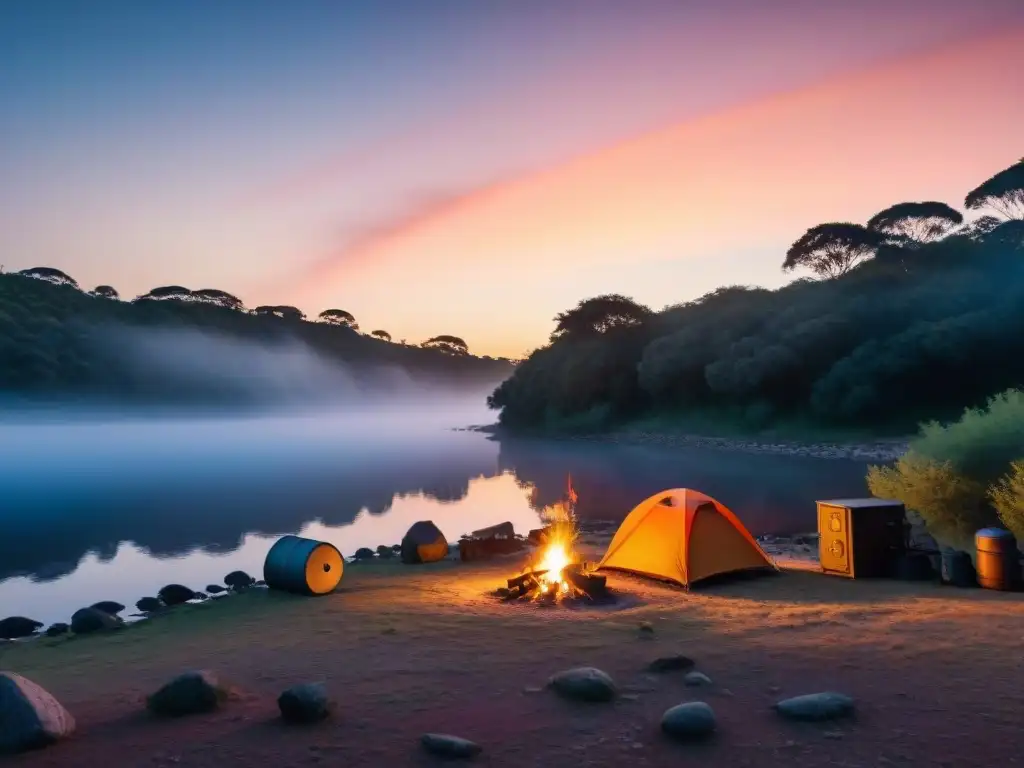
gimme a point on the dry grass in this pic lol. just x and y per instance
(407, 650)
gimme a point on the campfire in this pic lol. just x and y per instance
(556, 573)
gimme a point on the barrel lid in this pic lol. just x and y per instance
(993, 533)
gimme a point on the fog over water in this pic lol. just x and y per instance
(94, 507)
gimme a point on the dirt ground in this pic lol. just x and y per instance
(938, 674)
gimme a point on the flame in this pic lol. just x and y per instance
(558, 553)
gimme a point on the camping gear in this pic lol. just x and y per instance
(424, 543)
(303, 566)
(683, 536)
(957, 569)
(861, 538)
(914, 566)
(998, 559)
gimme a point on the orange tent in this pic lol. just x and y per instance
(683, 536)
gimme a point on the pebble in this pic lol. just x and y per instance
(671, 664)
(306, 703)
(583, 684)
(689, 722)
(696, 679)
(187, 694)
(445, 745)
(827, 705)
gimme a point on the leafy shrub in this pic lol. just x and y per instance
(965, 475)
(1008, 498)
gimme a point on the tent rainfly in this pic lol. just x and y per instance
(683, 536)
(424, 543)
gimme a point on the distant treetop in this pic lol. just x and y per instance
(600, 315)
(338, 317)
(452, 345)
(832, 250)
(916, 222)
(1003, 193)
(50, 275)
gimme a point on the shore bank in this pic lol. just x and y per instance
(878, 450)
(411, 650)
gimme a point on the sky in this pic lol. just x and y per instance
(470, 168)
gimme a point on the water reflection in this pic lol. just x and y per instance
(769, 493)
(92, 512)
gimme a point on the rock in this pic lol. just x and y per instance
(383, 551)
(108, 606)
(85, 621)
(583, 684)
(396, 547)
(305, 703)
(18, 626)
(443, 745)
(200, 596)
(689, 722)
(149, 604)
(175, 594)
(260, 583)
(55, 630)
(696, 679)
(239, 580)
(676, 663)
(816, 706)
(646, 628)
(187, 694)
(30, 718)
(364, 553)
(215, 589)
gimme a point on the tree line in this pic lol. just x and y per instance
(915, 314)
(444, 343)
(55, 339)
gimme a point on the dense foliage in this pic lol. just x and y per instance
(965, 475)
(55, 340)
(915, 317)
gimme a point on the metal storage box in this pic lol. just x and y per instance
(860, 538)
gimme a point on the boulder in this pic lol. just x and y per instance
(238, 580)
(149, 604)
(175, 594)
(677, 663)
(18, 626)
(306, 703)
(215, 589)
(30, 718)
(454, 747)
(385, 552)
(85, 621)
(108, 606)
(187, 694)
(200, 596)
(812, 707)
(58, 629)
(583, 684)
(364, 553)
(691, 721)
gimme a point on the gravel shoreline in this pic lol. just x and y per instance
(883, 450)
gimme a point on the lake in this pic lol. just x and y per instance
(112, 509)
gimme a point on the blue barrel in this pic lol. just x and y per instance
(957, 568)
(303, 566)
(998, 559)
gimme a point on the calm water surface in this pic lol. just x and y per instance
(114, 509)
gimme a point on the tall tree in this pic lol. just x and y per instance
(50, 275)
(167, 292)
(283, 312)
(832, 250)
(382, 335)
(600, 315)
(338, 317)
(451, 345)
(218, 298)
(1003, 193)
(105, 292)
(911, 223)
